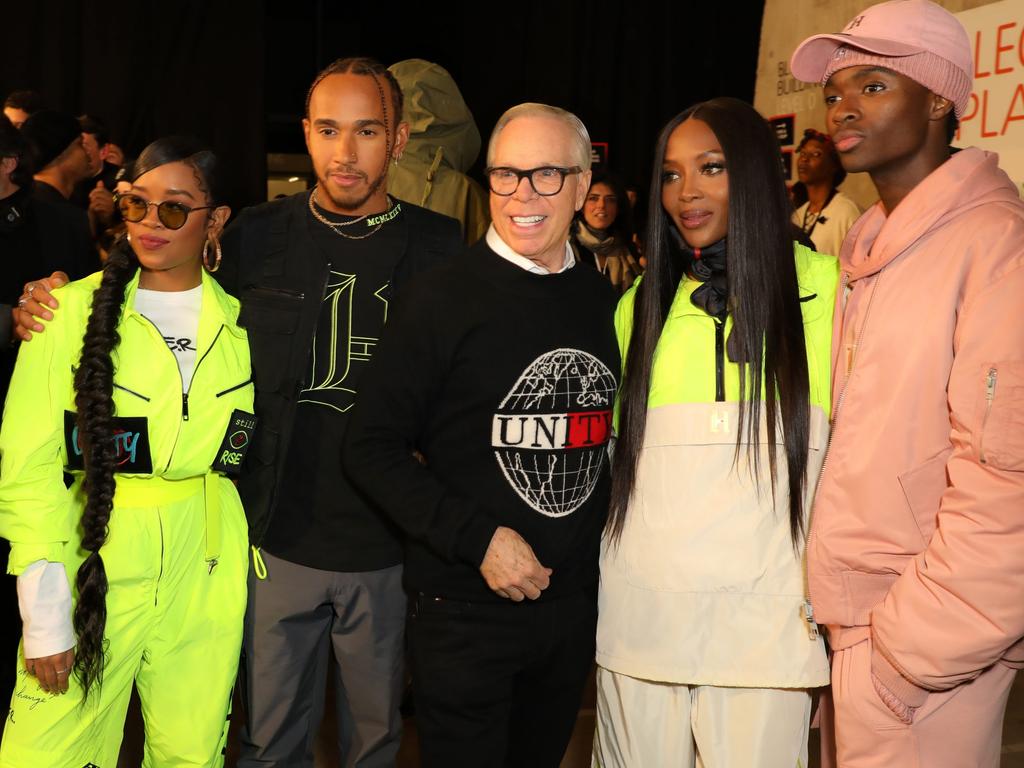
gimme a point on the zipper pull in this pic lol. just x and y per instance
(812, 627)
(184, 406)
(990, 396)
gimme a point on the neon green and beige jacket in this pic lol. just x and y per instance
(704, 586)
(37, 513)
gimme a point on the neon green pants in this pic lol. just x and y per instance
(174, 629)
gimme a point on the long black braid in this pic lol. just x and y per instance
(94, 382)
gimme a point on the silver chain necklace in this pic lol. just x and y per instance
(393, 210)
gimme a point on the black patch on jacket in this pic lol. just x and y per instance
(131, 440)
(235, 444)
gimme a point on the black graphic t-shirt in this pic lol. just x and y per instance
(504, 381)
(322, 521)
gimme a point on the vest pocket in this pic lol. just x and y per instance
(271, 317)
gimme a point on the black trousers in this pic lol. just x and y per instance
(499, 684)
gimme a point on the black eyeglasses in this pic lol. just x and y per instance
(547, 180)
(171, 214)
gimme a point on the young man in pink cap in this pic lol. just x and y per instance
(916, 549)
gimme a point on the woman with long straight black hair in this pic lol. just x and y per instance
(706, 642)
(135, 575)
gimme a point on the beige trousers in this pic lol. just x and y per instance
(645, 724)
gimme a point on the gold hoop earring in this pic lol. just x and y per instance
(206, 255)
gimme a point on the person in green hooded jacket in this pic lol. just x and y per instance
(443, 144)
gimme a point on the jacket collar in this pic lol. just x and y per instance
(217, 309)
(970, 178)
(682, 306)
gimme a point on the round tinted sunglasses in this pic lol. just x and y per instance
(171, 214)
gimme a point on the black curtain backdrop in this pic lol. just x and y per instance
(150, 69)
(624, 67)
(236, 74)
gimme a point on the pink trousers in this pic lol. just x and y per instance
(959, 728)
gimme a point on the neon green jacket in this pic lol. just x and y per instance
(704, 586)
(689, 334)
(37, 513)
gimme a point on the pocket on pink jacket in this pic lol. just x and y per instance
(1001, 397)
(923, 487)
(902, 712)
(1014, 657)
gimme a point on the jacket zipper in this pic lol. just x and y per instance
(176, 370)
(840, 296)
(184, 394)
(719, 360)
(990, 396)
(245, 383)
(275, 291)
(130, 392)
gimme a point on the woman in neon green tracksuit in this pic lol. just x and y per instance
(150, 411)
(705, 648)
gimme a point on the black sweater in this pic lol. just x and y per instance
(504, 381)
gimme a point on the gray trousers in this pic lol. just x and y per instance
(293, 618)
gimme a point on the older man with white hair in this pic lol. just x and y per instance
(499, 373)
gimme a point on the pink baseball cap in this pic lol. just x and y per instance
(917, 38)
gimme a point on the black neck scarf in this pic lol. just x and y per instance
(709, 266)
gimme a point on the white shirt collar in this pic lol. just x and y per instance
(502, 248)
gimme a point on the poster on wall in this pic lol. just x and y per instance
(994, 119)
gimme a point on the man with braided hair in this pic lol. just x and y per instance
(316, 273)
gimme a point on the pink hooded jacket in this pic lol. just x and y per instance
(917, 532)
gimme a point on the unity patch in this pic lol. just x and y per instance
(551, 431)
(131, 443)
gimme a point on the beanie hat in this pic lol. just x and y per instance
(915, 38)
(49, 133)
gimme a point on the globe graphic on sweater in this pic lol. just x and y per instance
(551, 431)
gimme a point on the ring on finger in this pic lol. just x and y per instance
(29, 288)
(22, 300)
(62, 671)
